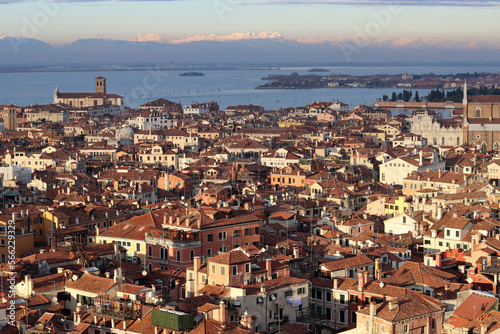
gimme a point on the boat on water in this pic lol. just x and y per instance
(192, 74)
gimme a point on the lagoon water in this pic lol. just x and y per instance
(226, 87)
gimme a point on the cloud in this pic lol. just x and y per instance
(451, 3)
(4, 2)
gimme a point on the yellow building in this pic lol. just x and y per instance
(395, 206)
(54, 219)
(289, 123)
(290, 176)
(26, 227)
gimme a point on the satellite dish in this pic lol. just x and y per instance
(381, 285)
(144, 273)
(54, 300)
(182, 197)
(469, 280)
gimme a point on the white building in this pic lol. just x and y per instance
(395, 170)
(446, 132)
(22, 174)
(151, 120)
(402, 224)
(196, 109)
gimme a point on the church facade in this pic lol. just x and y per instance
(482, 121)
(90, 100)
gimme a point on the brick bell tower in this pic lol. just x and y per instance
(100, 85)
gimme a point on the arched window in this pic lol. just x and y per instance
(150, 250)
(478, 112)
(458, 140)
(495, 147)
(483, 148)
(442, 141)
(162, 256)
(178, 256)
(150, 267)
(191, 255)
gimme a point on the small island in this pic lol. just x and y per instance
(318, 70)
(192, 74)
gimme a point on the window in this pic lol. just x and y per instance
(433, 324)
(427, 242)
(328, 296)
(138, 247)
(247, 232)
(223, 270)
(256, 231)
(405, 328)
(353, 317)
(178, 256)
(210, 237)
(235, 270)
(223, 235)
(342, 316)
(203, 279)
(478, 112)
(301, 291)
(237, 233)
(191, 255)
(259, 300)
(150, 250)
(457, 234)
(213, 268)
(247, 267)
(288, 293)
(342, 299)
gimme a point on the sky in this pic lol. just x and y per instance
(403, 21)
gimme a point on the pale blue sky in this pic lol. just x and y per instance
(303, 20)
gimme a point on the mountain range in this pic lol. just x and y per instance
(237, 48)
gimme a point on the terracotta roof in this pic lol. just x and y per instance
(474, 306)
(232, 257)
(408, 306)
(349, 262)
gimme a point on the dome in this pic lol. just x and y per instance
(125, 132)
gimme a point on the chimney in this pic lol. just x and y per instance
(164, 220)
(447, 294)
(115, 275)
(97, 230)
(373, 309)
(14, 216)
(440, 172)
(484, 328)
(378, 270)
(117, 249)
(196, 266)
(439, 214)
(366, 278)
(69, 190)
(269, 268)
(60, 270)
(107, 274)
(393, 304)
(222, 310)
(77, 220)
(247, 206)
(361, 283)
(438, 260)
(28, 281)
(171, 220)
(335, 283)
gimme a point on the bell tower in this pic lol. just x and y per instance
(10, 118)
(100, 85)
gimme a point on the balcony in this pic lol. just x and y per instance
(177, 239)
(115, 308)
(163, 261)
